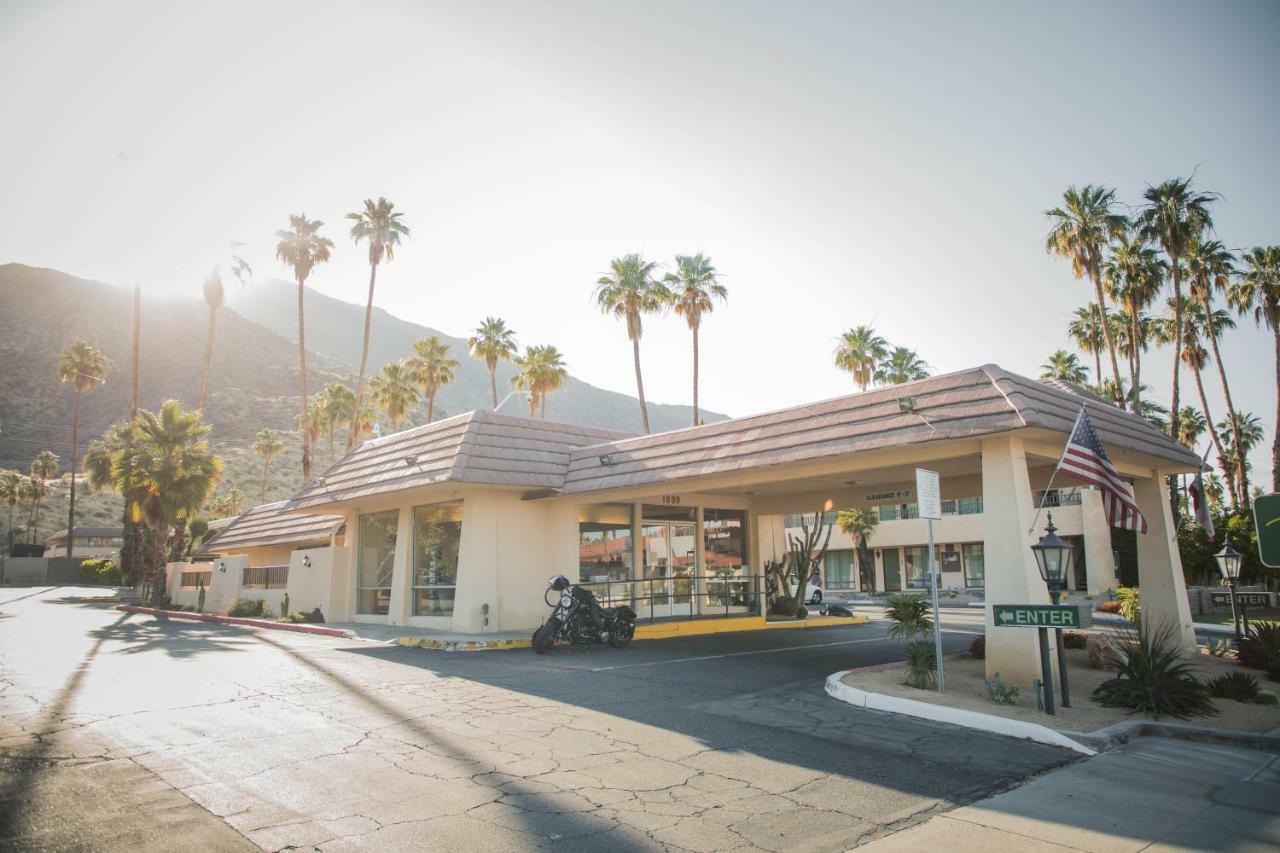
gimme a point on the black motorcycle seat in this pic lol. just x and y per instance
(608, 612)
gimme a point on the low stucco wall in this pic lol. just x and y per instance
(224, 586)
(322, 584)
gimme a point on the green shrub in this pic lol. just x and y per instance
(1267, 697)
(978, 647)
(1240, 686)
(1075, 640)
(313, 617)
(910, 617)
(1130, 599)
(102, 571)
(922, 665)
(1260, 648)
(1001, 693)
(248, 608)
(1153, 678)
(1108, 607)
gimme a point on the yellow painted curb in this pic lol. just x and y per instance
(697, 627)
(463, 645)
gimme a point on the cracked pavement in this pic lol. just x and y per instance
(123, 732)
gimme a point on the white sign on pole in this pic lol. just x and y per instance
(928, 494)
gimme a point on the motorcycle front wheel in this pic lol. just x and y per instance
(622, 634)
(545, 637)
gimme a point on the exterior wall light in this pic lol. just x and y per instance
(306, 560)
(1053, 557)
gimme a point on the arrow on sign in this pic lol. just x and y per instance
(1006, 616)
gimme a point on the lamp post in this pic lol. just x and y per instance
(1053, 558)
(1229, 565)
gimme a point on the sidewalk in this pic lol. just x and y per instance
(1170, 793)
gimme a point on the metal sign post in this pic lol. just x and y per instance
(929, 506)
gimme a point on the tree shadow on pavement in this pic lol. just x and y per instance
(176, 638)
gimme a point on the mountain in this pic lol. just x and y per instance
(334, 328)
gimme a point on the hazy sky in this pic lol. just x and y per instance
(841, 162)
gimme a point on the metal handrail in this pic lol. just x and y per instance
(640, 594)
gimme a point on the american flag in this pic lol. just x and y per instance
(1087, 460)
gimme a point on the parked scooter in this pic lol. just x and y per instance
(577, 618)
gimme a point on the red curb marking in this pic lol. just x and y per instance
(237, 620)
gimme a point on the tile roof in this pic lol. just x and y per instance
(61, 535)
(969, 403)
(272, 524)
(480, 448)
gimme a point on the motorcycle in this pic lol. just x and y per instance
(577, 618)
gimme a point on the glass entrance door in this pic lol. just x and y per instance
(669, 567)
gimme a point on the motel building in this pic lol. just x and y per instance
(457, 525)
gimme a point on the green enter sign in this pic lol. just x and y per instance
(1036, 616)
(1266, 518)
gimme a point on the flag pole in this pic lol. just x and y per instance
(1044, 495)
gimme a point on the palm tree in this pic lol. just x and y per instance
(1133, 275)
(82, 367)
(629, 291)
(162, 465)
(43, 469)
(10, 493)
(902, 365)
(380, 226)
(1064, 366)
(32, 491)
(694, 288)
(492, 342)
(337, 402)
(1194, 330)
(227, 505)
(1257, 290)
(394, 391)
(1191, 425)
(1210, 267)
(1085, 329)
(432, 368)
(268, 445)
(860, 351)
(539, 371)
(1083, 227)
(1251, 435)
(302, 247)
(860, 523)
(1175, 216)
(214, 296)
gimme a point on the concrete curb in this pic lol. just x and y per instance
(1116, 619)
(464, 645)
(1126, 730)
(237, 620)
(955, 716)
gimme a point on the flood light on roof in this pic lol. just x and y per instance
(411, 460)
(906, 404)
(606, 458)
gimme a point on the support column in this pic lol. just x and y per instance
(1164, 591)
(1012, 576)
(699, 562)
(637, 560)
(1099, 559)
(400, 605)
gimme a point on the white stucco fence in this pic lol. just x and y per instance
(318, 577)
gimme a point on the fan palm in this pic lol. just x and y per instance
(44, 467)
(301, 247)
(1191, 425)
(860, 523)
(491, 343)
(902, 365)
(215, 296)
(1133, 274)
(629, 291)
(228, 504)
(1082, 229)
(432, 368)
(1085, 329)
(1257, 290)
(859, 352)
(337, 402)
(1210, 267)
(32, 492)
(694, 289)
(161, 463)
(1064, 366)
(379, 225)
(1251, 435)
(1174, 215)
(395, 391)
(539, 371)
(268, 445)
(10, 493)
(82, 367)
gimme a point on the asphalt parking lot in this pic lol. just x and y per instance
(124, 732)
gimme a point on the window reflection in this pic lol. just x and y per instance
(437, 532)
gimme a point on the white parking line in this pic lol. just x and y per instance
(757, 652)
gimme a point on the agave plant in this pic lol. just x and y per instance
(1153, 678)
(1240, 686)
(1260, 648)
(922, 665)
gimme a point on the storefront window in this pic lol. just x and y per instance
(917, 557)
(975, 574)
(724, 533)
(437, 532)
(604, 551)
(839, 569)
(376, 562)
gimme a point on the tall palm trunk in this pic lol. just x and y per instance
(155, 560)
(265, 464)
(644, 409)
(431, 406)
(1242, 472)
(493, 382)
(71, 498)
(1106, 331)
(330, 442)
(1275, 442)
(1177, 344)
(1223, 459)
(364, 358)
(1097, 362)
(695, 375)
(208, 357)
(302, 373)
(1135, 358)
